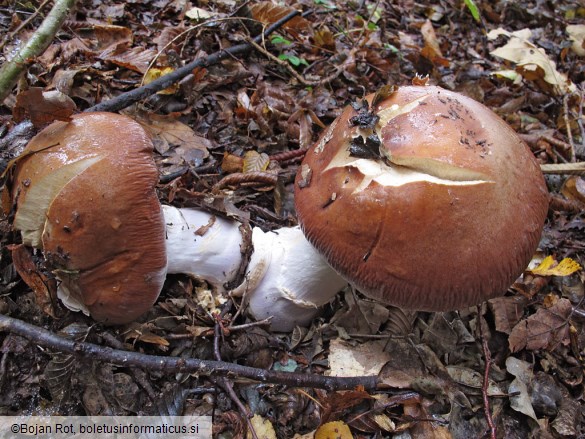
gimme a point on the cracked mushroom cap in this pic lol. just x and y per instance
(424, 199)
(85, 194)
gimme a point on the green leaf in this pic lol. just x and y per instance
(277, 39)
(325, 3)
(293, 59)
(473, 9)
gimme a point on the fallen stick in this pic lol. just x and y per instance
(94, 352)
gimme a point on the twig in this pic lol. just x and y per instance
(133, 96)
(235, 328)
(40, 40)
(225, 383)
(486, 380)
(568, 126)
(288, 155)
(246, 177)
(91, 351)
(564, 168)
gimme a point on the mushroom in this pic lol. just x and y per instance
(422, 198)
(84, 193)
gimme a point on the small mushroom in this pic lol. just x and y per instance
(84, 193)
(423, 198)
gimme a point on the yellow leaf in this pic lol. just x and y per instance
(262, 427)
(254, 162)
(550, 267)
(156, 73)
(334, 430)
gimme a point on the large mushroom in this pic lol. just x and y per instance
(422, 198)
(84, 193)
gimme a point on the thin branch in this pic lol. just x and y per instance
(93, 352)
(486, 380)
(36, 45)
(564, 168)
(133, 96)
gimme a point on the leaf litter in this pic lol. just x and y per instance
(233, 118)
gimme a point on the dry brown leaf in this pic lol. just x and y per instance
(44, 288)
(361, 317)
(108, 35)
(543, 330)
(140, 332)
(574, 189)
(324, 39)
(136, 58)
(42, 107)
(432, 49)
(424, 430)
(507, 311)
(404, 366)
(168, 131)
(231, 163)
(269, 13)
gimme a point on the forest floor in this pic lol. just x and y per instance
(510, 368)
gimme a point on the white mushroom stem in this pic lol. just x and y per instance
(286, 278)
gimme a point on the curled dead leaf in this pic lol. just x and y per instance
(543, 330)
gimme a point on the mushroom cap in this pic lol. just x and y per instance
(85, 194)
(444, 210)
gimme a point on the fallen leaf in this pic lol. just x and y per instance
(334, 430)
(518, 389)
(574, 189)
(262, 427)
(141, 332)
(137, 59)
(44, 288)
(544, 329)
(532, 61)
(231, 163)
(255, 162)
(473, 379)
(432, 50)
(269, 13)
(169, 132)
(550, 267)
(42, 107)
(363, 359)
(507, 311)
(576, 34)
(155, 73)
(199, 14)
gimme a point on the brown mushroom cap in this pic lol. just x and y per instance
(85, 194)
(447, 214)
